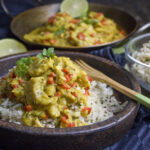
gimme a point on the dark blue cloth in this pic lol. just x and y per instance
(107, 53)
(138, 138)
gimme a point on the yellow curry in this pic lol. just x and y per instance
(48, 86)
(66, 31)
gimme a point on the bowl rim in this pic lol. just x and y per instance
(127, 54)
(82, 48)
(99, 126)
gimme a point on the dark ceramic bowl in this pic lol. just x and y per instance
(91, 137)
(26, 21)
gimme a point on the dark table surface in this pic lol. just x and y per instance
(138, 8)
(139, 137)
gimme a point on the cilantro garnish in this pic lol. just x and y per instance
(60, 31)
(101, 100)
(46, 53)
(22, 66)
(23, 63)
(79, 104)
(113, 105)
(40, 56)
(90, 21)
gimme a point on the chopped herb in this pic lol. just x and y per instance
(57, 124)
(46, 53)
(101, 100)
(50, 52)
(90, 21)
(40, 56)
(83, 15)
(73, 117)
(23, 63)
(22, 66)
(79, 104)
(113, 105)
(60, 31)
(136, 66)
(1, 101)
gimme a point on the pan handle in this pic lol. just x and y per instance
(4, 7)
(142, 29)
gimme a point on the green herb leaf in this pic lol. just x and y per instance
(79, 104)
(113, 105)
(51, 50)
(94, 21)
(40, 56)
(90, 21)
(44, 52)
(22, 66)
(60, 31)
(52, 55)
(101, 100)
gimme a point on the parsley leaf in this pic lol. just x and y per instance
(23, 63)
(22, 66)
(50, 52)
(40, 56)
(60, 31)
(46, 53)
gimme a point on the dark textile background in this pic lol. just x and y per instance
(138, 138)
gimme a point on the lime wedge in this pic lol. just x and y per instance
(76, 8)
(11, 46)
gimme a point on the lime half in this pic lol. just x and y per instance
(11, 46)
(76, 8)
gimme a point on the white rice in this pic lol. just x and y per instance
(11, 111)
(104, 105)
(143, 55)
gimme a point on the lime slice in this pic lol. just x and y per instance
(75, 8)
(11, 46)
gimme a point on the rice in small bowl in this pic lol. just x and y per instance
(138, 59)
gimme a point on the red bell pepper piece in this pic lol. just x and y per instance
(65, 86)
(81, 36)
(72, 124)
(28, 108)
(87, 109)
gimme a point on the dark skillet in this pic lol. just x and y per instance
(91, 137)
(35, 17)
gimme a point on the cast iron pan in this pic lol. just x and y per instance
(28, 20)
